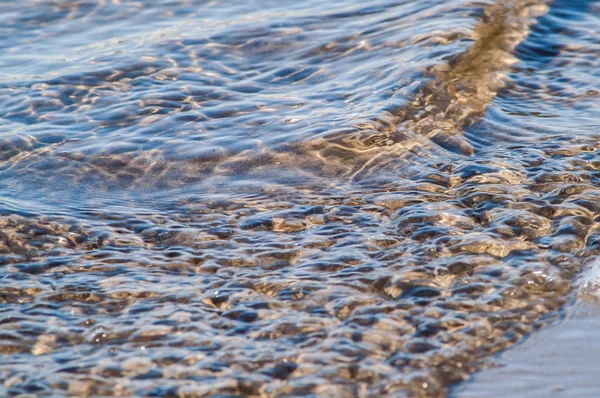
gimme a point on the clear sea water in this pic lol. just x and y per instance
(289, 198)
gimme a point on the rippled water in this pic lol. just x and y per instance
(270, 198)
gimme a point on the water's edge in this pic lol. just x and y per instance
(559, 361)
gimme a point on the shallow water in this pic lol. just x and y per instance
(350, 198)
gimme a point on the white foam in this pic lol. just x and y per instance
(588, 283)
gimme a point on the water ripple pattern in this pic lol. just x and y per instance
(270, 199)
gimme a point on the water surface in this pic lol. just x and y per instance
(348, 198)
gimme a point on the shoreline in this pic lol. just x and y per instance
(558, 361)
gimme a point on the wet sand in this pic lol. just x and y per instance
(560, 361)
